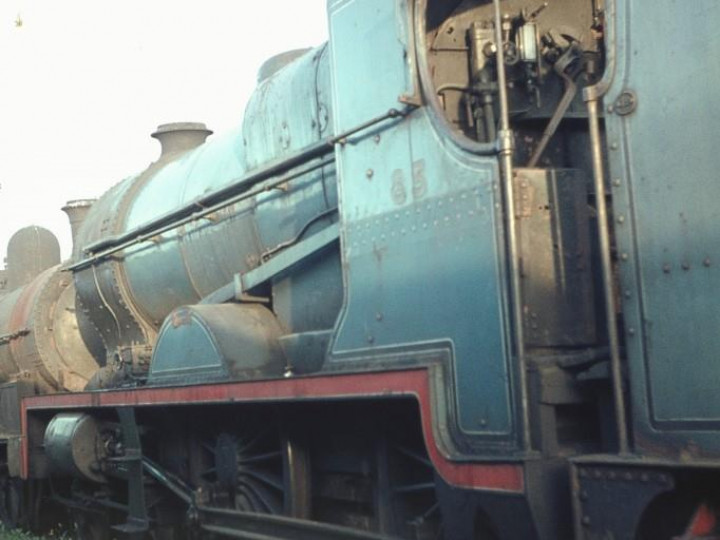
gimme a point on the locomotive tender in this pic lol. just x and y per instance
(453, 276)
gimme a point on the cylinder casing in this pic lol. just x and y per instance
(73, 445)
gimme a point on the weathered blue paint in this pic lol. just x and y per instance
(217, 342)
(664, 167)
(419, 226)
(289, 111)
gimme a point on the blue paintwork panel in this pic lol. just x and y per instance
(665, 165)
(370, 44)
(421, 250)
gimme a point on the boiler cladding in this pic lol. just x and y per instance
(125, 298)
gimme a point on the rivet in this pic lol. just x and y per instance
(378, 316)
(598, 474)
(583, 473)
(610, 109)
(369, 173)
(377, 139)
(631, 331)
(614, 146)
(686, 266)
(584, 495)
(586, 520)
(617, 182)
(483, 422)
(611, 475)
(621, 219)
(628, 294)
(628, 476)
(624, 256)
(666, 268)
(707, 262)
(370, 339)
(644, 477)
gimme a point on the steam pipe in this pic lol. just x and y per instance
(592, 96)
(604, 236)
(505, 150)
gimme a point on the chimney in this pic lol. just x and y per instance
(180, 137)
(76, 212)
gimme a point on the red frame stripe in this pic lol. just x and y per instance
(488, 476)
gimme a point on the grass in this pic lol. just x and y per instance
(17, 534)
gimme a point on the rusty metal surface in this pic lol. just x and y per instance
(217, 342)
(45, 341)
(76, 211)
(74, 446)
(129, 297)
(30, 251)
(557, 279)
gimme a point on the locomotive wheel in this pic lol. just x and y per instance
(90, 526)
(671, 516)
(256, 468)
(11, 501)
(413, 498)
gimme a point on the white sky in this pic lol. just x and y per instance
(83, 83)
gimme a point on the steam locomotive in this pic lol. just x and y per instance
(453, 276)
